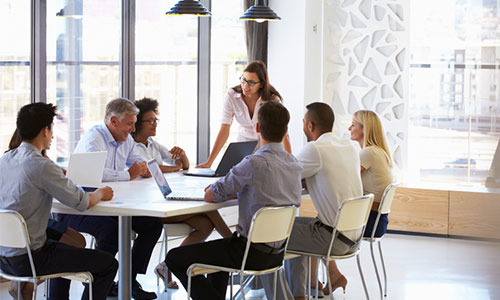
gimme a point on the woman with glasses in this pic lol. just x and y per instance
(172, 160)
(242, 103)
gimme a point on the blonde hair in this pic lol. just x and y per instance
(373, 131)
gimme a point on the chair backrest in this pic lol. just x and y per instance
(386, 200)
(353, 214)
(13, 230)
(272, 224)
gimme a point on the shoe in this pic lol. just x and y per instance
(160, 275)
(340, 282)
(321, 294)
(139, 294)
(13, 289)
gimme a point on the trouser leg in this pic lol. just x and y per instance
(148, 231)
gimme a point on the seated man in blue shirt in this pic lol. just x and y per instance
(114, 137)
(28, 188)
(270, 177)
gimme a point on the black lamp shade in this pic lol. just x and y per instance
(189, 7)
(71, 10)
(260, 12)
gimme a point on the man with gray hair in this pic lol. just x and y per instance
(122, 163)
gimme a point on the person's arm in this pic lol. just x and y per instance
(180, 157)
(101, 194)
(310, 160)
(286, 143)
(234, 182)
(221, 139)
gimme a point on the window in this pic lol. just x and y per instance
(14, 64)
(166, 70)
(83, 55)
(454, 107)
(229, 58)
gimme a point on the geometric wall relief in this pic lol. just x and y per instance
(364, 63)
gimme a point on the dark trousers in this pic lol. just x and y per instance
(55, 257)
(381, 227)
(105, 231)
(223, 252)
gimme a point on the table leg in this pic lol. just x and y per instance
(124, 257)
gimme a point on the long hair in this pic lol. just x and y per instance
(267, 91)
(373, 131)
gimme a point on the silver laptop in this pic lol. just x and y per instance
(235, 152)
(85, 169)
(154, 168)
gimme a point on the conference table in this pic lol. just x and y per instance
(142, 197)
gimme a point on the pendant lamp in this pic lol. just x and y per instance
(71, 10)
(189, 7)
(260, 12)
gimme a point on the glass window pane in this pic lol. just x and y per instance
(167, 70)
(229, 58)
(83, 54)
(454, 106)
(15, 78)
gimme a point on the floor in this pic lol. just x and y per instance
(418, 268)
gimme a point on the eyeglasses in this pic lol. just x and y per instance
(152, 121)
(249, 82)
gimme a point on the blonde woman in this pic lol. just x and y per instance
(376, 163)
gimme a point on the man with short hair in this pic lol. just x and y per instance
(114, 137)
(28, 188)
(269, 177)
(332, 175)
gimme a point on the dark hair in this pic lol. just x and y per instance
(32, 118)
(321, 114)
(268, 92)
(16, 140)
(273, 119)
(144, 105)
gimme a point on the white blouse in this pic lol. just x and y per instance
(155, 150)
(235, 107)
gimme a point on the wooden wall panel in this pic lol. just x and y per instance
(475, 214)
(419, 210)
(307, 208)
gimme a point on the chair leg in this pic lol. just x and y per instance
(383, 267)
(231, 287)
(275, 281)
(308, 277)
(376, 270)
(189, 287)
(18, 286)
(362, 277)
(282, 280)
(242, 287)
(318, 262)
(35, 285)
(165, 271)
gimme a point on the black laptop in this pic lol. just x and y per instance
(235, 152)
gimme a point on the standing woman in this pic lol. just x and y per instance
(242, 103)
(376, 163)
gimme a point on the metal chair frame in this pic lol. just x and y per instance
(384, 208)
(260, 216)
(364, 203)
(19, 238)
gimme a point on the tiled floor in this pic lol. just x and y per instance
(418, 268)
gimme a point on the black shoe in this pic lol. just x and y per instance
(139, 294)
(113, 291)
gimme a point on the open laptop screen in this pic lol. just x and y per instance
(155, 170)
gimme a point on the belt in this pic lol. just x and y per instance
(261, 247)
(339, 235)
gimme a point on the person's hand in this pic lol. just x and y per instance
(138, 169)
(206, 188)
(177, 152)
(209, 197)
(106, 193)
(204, 165)
(147, 174)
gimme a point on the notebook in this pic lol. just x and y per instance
(235, 152)
(161, 181)
(85, 169)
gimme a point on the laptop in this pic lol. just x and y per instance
(154, 168)
(85, 169)
(233, 155)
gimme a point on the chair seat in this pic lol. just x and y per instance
(299, 253)
(177, 229)
(82, 277)
(200, 269)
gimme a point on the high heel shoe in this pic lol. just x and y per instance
(160, 275)
(340, 282)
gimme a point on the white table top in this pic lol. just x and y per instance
(142, 197)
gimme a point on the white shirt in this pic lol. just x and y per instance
(235, 107)
(156, 151)
(332, 174)
(377, 174)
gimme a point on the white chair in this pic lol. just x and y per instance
(170, 230)
(353, 216)
(269, 224)
(14, 234)
(384, 208)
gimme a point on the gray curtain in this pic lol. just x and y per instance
(256, 37)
